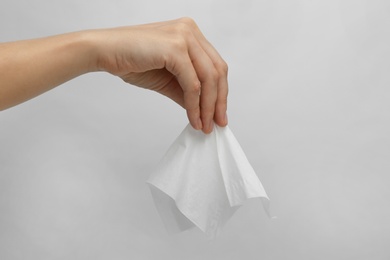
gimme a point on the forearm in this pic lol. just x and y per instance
(31, 67)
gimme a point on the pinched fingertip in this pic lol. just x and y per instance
(194, 118)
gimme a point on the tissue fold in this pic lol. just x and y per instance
(202, 180)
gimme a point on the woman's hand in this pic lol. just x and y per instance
(174, 59)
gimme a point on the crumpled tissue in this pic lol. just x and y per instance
(202, 180)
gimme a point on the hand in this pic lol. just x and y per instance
(174, 59)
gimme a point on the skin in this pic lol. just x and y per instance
(171, 57)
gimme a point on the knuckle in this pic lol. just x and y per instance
(222, 67)
(182, 32)
(196, 86)
(179, 44)
(188, 21)
(179, 38)
(182, 28)
(185, 26)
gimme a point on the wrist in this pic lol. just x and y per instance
(102, 44)
(85, 44)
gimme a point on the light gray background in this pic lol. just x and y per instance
(309, 103)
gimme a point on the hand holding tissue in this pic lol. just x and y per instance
(202, 180)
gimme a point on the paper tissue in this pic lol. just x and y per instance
(202, 180)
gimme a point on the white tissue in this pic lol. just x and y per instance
(202, 180)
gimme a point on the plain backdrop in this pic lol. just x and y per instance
(309, 102)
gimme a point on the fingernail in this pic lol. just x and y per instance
(226, 118)
(199, 124)
(210, 126)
